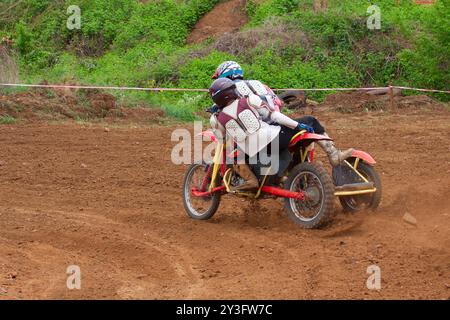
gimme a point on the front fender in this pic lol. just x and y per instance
(209, 134)
(364, 156)
(307, 136)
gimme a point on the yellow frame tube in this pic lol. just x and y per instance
(298, 134)
(304, 154)
(351, 193)
(354, 169)
(216, 164)
(260, 187)
(356, 163)
(226, 180)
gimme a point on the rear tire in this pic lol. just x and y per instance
(364, 201)
(314, 180)
(293, 99)
(198, 208)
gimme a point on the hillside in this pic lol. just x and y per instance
(285, 43)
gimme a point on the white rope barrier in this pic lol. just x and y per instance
(422, 90)
(56, 86)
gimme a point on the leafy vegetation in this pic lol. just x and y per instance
(142, 43)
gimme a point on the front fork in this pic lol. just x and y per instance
(216, 165)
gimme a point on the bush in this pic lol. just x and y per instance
(285, 44)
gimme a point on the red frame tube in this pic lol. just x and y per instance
(283, 193)
(266, 189)
(197, 193)
(205, 178)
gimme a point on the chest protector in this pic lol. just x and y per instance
(246, 88)
(239, 120)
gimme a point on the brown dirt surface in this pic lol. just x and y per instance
(227, 16)
(72, 104)
(110, 202)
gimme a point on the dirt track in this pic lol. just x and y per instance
(110, 202)
(227, 16)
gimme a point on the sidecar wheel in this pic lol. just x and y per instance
(364, 201)
(318, 207)
(198, 208)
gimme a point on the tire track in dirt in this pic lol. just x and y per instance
(88, 223)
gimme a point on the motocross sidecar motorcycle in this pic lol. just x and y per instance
(308, 190)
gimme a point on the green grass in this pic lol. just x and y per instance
(7, 119)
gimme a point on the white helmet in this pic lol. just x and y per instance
(229, 69)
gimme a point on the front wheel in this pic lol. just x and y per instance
(318, 207)
(198, 176)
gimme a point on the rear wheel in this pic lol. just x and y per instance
(364, 201)
(199, 208)
(318, 207)
(293, 99)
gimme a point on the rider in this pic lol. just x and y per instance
(241, 118)
(233, 71)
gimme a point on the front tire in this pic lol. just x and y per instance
(198, 208)
(318, 207)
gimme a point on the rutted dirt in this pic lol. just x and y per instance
(227, 16)
(66, 104)
(110, 202)
(351, 102)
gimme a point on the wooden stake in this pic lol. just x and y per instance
(391, 97)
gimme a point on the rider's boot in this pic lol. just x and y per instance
(251, 182)
(335, 155)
